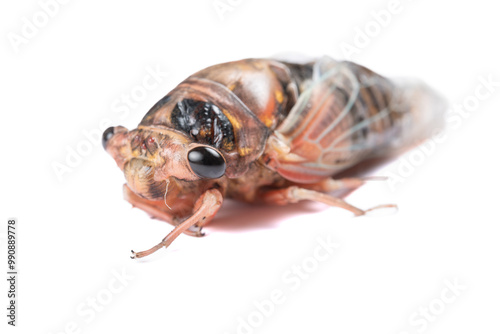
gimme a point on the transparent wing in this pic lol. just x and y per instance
(344, 115)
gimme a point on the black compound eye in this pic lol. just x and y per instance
(206, 162)
(106, 136)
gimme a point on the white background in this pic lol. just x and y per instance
(74, 233)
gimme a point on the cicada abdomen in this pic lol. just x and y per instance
(346, 113)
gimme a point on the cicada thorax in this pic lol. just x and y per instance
(231, 107)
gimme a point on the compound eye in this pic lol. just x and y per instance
(106, 136)
(206, 162)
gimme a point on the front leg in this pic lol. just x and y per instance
(159, 210)
(205, 209)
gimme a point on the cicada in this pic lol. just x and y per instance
(268, 131)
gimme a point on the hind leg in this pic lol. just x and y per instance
(345, 184)
(295, 194)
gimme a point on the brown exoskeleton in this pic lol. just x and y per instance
(260, 130)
